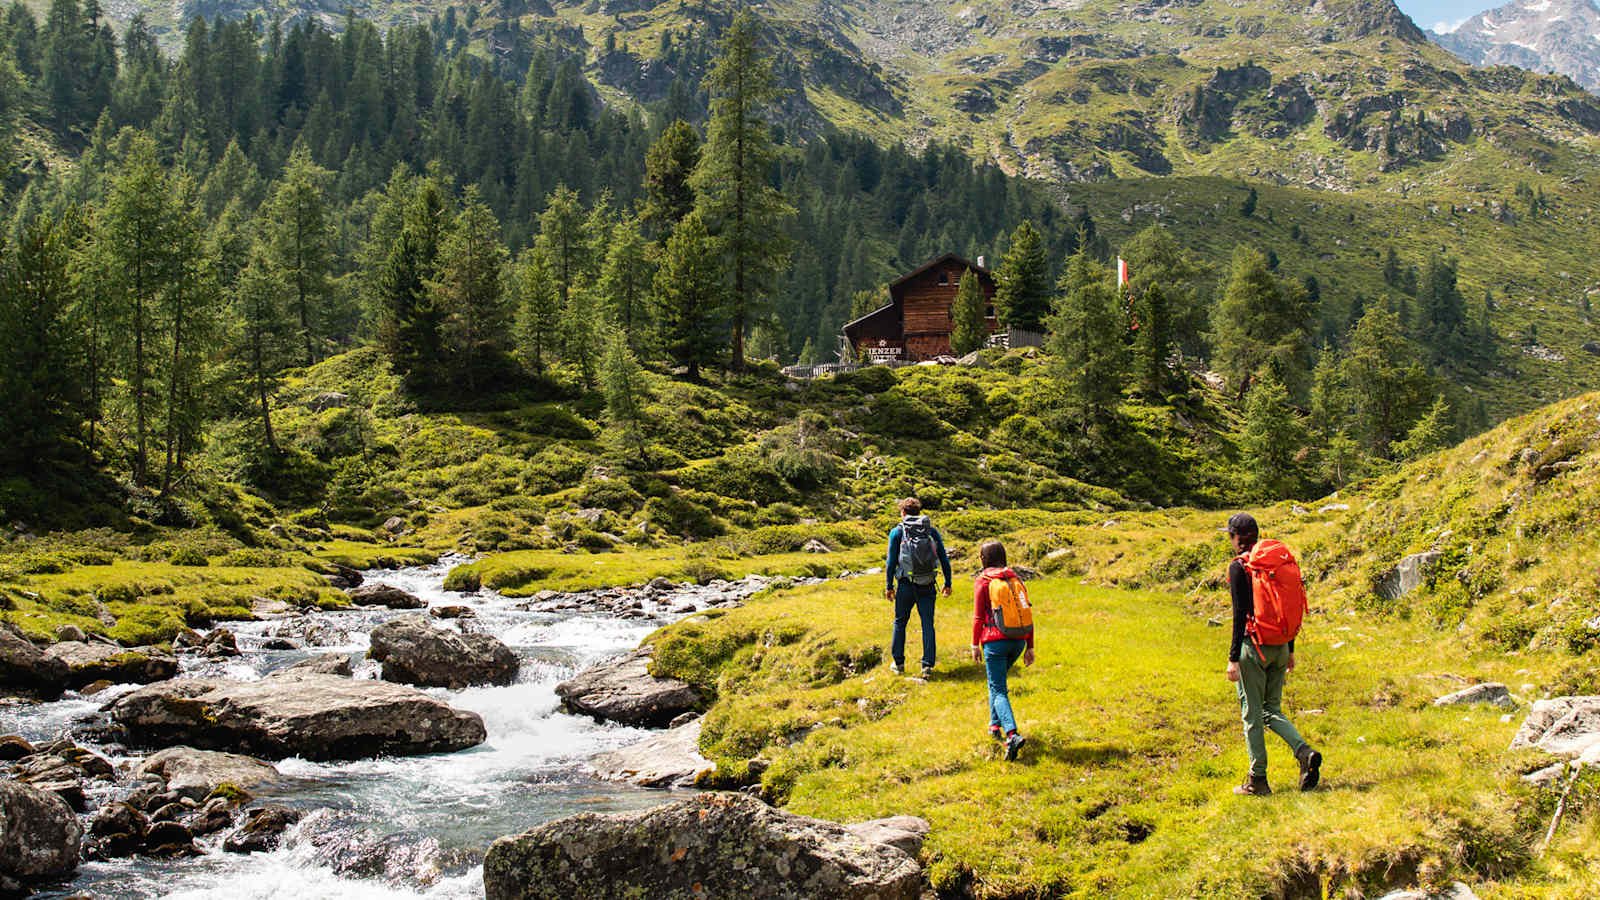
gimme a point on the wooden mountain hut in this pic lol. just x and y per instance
(917, 322)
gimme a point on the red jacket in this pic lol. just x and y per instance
(983, 630)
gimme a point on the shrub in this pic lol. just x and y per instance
(870, 380)
(704, 571)
(555, 422)
(898, 414)
(613, 494)
(555, 468)
(188, 556)
(679, 515)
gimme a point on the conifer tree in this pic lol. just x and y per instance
(737, 201)
(1262, 321)
(468, 287)
(1388, 387)
(1431, 432)
(970, 330)
(808, 354)
(668, 167)
(625, 282)
(265, 331)
(297, 236)
(412, 330)
(190, 310)
(582, 340)
(623, 382)
(133, 243)
(1022, 295)
(1154, 258)
(689, 297)
(65, 69)
(563, 241)
(1153, 341)
(1272, 439)
(42, 371)
(538, 309)
(1089, 354)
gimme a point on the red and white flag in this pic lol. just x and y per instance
(1122, 272)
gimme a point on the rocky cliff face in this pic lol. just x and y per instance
(1561, 36)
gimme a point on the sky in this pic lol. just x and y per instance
(1440, 15)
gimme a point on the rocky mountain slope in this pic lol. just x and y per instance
(1560, 36)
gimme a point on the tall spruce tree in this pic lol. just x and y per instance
(264, 334)
(1272, 439)
(1089, 353)
(970, 329)
(1154, 258)
(737, 201)
(623, 382)
(296, 231)
(412, 330)
(42, 373)
(1388, 386)
(468, 288)
(1022, 295)
(690, 297)
(538, 309)
(625, 282)
(1153, 342)
(189, 311)
(668, 167)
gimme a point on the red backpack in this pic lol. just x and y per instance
(1280, 595)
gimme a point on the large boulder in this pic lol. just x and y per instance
(624, 691)
(196, 773)
(1408, 574)
(26, 668)
(40, 838)
(380, 594)
(318, 717)
(88, 663)
(325, 664)
(262, 830)
(714, 845)
(1563, 726)
(413, 651)
(669, 759)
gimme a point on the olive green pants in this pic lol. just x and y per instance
(1261, 676)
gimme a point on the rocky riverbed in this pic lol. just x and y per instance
(481, 744)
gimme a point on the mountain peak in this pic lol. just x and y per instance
(1542, 35)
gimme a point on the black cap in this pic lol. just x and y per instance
(1244, 525)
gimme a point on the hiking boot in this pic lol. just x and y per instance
(927, 671)
(1310, 767)
(996, 733)
(897, 668)
(1254, 786)
(1014, 744)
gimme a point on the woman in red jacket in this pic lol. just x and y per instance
(994, 647)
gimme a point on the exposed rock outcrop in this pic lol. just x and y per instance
(40, 838)
(715, 845)
(25, 668)
(196, 773)
(286, 714)
(380, 594)
(88, 663)
(414, 651)
(669, 759)
(1408, 575)
(1491, 693)
(624, 691)
(325, 664)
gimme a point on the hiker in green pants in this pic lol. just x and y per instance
(1269, 602)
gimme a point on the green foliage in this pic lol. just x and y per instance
(1022, 296)
(970, 329)
(668, 166)
(1273, 440)
(689, 296)
(1261, 322)
(1089, 355)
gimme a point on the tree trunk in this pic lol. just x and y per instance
(261, 393)
(172, 393)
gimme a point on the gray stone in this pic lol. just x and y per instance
(71, 632)
(623, 690)
(24, 667)
(394, 525)
(1408, 575)
(328, 400)
(816, 546)
(669, 759)
(715, 845)
(413, 651)
(88, 663)
(1491, 693)
(196, 773)
(452, 612)
(380, 594)
(318, 717)
(14, 747)
(325, 664)
(1457, 891)
(1564, 726)
(40, 837)
(903, 832)
(118, 829)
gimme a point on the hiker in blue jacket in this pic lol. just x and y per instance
(915, 546)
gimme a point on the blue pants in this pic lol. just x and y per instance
(998, 658)
(906, 595)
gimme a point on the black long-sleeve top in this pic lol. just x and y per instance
(1244, 606)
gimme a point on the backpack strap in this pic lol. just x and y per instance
(1243, 560)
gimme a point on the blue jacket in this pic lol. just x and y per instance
(894, 556)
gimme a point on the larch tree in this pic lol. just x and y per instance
(296, 230)
(190, 310)
(623, 383)
(625, 282)
(42, 374)
(733, 179)
(1259, 322)
(538, 309)
(264, 332)
(1272, 439)
(970, 329)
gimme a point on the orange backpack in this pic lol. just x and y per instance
(1009, 611)
(1280, 595)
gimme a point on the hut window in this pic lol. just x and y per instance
(988, 311)
(944, 277)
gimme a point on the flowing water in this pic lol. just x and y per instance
(399, 827)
